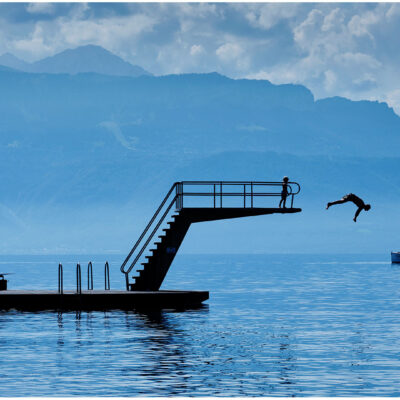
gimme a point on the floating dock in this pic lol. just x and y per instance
(100, 300)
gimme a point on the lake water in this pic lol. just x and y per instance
(275, 325)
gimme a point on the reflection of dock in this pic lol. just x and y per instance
(99, 300)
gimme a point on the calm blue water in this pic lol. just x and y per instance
(275, 325)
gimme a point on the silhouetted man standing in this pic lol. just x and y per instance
(356, 200)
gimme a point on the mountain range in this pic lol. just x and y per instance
(82, 59)
(87, 153)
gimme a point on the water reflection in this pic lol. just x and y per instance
(286, 361)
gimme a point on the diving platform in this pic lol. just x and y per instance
(149, 260)
(189, 202)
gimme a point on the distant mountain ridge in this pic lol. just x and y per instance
(83, 59)
(88, 157)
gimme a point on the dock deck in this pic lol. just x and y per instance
(100, 300)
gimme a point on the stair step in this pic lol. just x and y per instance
(153, 250)
(166, 230)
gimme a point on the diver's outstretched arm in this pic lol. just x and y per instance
(359, 209)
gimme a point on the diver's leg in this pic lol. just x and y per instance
(336, 202)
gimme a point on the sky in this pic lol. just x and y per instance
(335, 49)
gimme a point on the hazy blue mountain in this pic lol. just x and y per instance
(9, 60)
(82, 59)
(88, 154)
(187, 115)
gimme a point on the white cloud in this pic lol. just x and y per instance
(268, 15)
(356, 61)
(106, 31)
(330, 80)
(333, 21)
(49, 37)
(393, 11)
(196, 50)
(229, 52)
(359, 25)
(393, 99)
(40, 8)
(38, 42)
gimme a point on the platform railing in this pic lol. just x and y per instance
(218, 191)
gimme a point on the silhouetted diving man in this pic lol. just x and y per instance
(356, 200)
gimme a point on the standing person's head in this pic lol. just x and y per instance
(367, 207)
(285, 179)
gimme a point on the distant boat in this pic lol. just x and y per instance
(395, 256)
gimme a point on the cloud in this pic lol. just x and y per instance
(269, 15)
(74, 29)
(359, 25)
(106, 31)
(229, 51)
(196, 49)
(393, 98)
(37, 43)
(40, 8)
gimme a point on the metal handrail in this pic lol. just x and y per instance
(90, 276)
(293, 189)
(147, 228)
(78, 279)
(60, 279)
(106, 276)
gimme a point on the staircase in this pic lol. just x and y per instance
(158, 262)
(171, 224)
